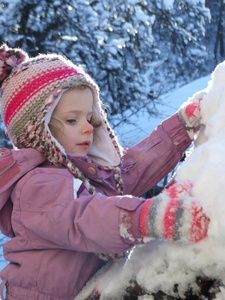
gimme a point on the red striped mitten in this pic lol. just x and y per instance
(174, 215)
(190, 113)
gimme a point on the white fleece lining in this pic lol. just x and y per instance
(76, 185)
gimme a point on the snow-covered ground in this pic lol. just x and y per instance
(159, 265)
(129, 134)
(141, 125)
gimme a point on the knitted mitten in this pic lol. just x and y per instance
(190, 113)
(174, 215)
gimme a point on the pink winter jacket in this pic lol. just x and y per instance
(56, 226)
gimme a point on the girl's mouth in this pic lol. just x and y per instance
(85, 144)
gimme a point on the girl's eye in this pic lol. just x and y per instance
(71, 121)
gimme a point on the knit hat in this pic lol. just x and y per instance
(31, 89)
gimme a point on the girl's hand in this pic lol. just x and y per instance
(190, 113)
(174, 215)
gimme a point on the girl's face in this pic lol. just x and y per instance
(74, 113)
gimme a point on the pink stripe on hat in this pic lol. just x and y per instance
(34, 87)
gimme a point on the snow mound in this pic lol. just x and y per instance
(159, 265)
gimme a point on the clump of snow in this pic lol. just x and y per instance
(205, 166)
(159, 265)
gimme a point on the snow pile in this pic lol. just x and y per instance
(159, 265)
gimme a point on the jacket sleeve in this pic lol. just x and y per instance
(48, 214)
(149, 161)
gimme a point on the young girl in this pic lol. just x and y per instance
(70, 194)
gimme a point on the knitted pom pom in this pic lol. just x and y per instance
(9, 58)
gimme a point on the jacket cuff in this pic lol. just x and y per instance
(130, 210)
(174, 127)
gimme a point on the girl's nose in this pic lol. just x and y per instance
(87, 128)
